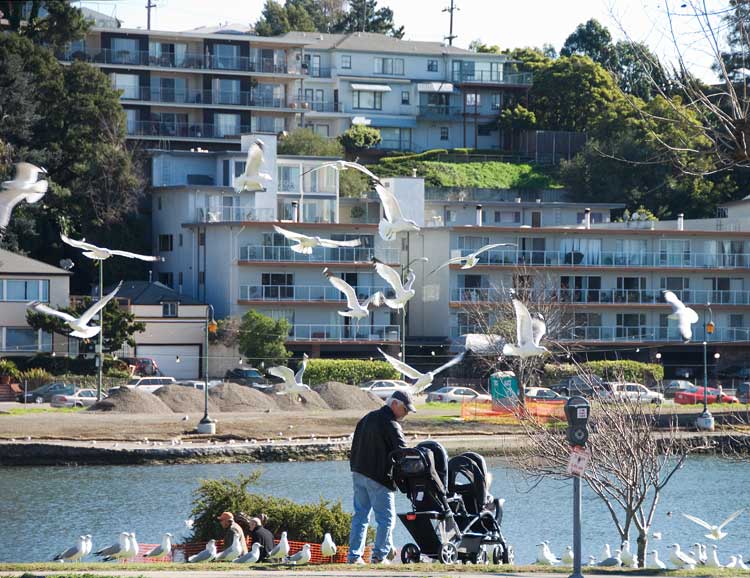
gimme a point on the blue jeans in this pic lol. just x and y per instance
(370, 495)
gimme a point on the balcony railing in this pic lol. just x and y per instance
(191, 60)
(491, 77)
(606, 296)
(307, 293)
(340, 333)
(187, 130)
(233, 215)
(319, 106)
(319, 254)
(438, 111)
(613, 259)
(189, 96)
(316, 72)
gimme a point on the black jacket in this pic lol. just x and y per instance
(376, 435)
(265, 539)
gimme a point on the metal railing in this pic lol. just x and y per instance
(606, 296)
(316, 72)
(319, 254)
(179, 129)
(319, 106)
(311, 293)
(363, 332)
(197, 97)
(438, 111)
(492, 77)
(233, 215)
(191, 60)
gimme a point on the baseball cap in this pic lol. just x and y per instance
(405, 398)
(226, 516)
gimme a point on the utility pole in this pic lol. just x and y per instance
(149, 6)
(451, 36)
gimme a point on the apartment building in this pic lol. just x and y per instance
(23, 280)
(219, 246)
(208, 86)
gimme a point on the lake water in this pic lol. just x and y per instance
(54, 505)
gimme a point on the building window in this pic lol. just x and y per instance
(497, 101)
(443, 133)
(226, 56)
(394, 66)
(367, 99)
(202, 239)
(25, 290)
(169, 309)
(166, 279)
(472, 99)
(125, 51)
(21, 339)
(179, 279)
(346, 61)
(485, 129)
(131, 120)
(165, 243)
(432, 65)
(722, 213)
(404, 97)
(508, 217)
(201, 277)
(179, 237)
(128, 84)
(226, 124)
(595, 217)
(278, 285)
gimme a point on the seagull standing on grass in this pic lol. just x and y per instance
(423, 380)
(680, 559)
(355, 309)
(567, 557)
(132, 551)
(116, 550)
(79, 325)
(89, 546)
(732, 562)
(613, 561)
(252, 178)
(24, 187)
(251, 557)
(281, 550)
(102, 253)
(328, 546)
(740, 563)
(472, 259)
(712, 560)
(656, 562)
(74, 553)
(715, 532)
(543, 555)
(628, 559)
(685, 316)
(305, 243)
(163, 549)
(529, 332)
(301, 557)
(403, 291)
(206, 555)
(233, 551)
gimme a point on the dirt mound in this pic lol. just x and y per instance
(233, 397)
(342, 396)
(182, 399)
(127, 400)
(300, 401)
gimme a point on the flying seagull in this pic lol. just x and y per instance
(301, 557)
(74, 553)
(292, 381)
(685, 315)
(529, 333)
(355, 309)
(251, 557)
(403, 292)
(328, 546)
(305, 244)
(206, 555)
(342, 165)
(423, 379)
(252, 179)
(394, 221)
(79, 325)
(472, 259)
(281, 550)
(163, 549)
(102, 253)
(24, 187)
(714, 532)
(680, 559)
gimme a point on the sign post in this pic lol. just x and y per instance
(577, 411)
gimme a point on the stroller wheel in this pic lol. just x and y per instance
(480, 557)
(503, 555)
(448, 553)
(410, 554)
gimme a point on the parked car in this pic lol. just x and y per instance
(144, 366)
(245, 376)
(383, 388)
(635, 392)
(456, 395)
(676, 385)
(149, 384)
(543, 394)
(79, 398)
(743, 392)
(576, 385)
(694, 395)
(44, 393)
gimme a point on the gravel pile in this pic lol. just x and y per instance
(233, 397)
(182, 399)
(126, 400)
(343, 396)
(300, 401)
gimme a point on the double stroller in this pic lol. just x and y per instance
(454, 518)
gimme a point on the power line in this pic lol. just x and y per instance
(451, 36)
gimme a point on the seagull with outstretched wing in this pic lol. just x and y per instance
(714, 532)
(354, 307)
(79, 325)
(529, 332)
(423, 380)
(685, 316)
(305, 243)
(26, 186)
(292, 382)
(403, 291)
(472, 259)
(342, 165)
(102, 253)
(394, 221)
(252, 178)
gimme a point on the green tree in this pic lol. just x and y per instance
(736, 21)
(305, 141)
(482, 48)
(590, 39)
(358, 138)
(528, 59)
(273, 20)
(639, 71)
(119, 325)
(60, 24)
(353, 183)
(263, 338)
(364, 15)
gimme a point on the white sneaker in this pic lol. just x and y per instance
(392, 554)
(358, 561)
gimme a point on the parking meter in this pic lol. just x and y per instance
(577, 411)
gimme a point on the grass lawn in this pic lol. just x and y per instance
(32, 409)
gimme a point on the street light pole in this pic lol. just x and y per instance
(100, 345)
(706, 421)
(206, 424)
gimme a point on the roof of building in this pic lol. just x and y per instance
(373, 42)
(13, 263)
(151, 293)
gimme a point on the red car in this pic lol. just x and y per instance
(694, 395)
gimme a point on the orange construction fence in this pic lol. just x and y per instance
(497, 413)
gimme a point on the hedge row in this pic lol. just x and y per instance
(352, 371)
(625, 369)
(423, 156)
(61, 364)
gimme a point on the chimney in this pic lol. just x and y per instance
(414, 173)
(681, 222)
(295, 211)
(150, 275)
(479, 215)
(587, 217)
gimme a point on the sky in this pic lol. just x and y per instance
(507, 23)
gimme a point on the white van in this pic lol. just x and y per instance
(149, 384)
